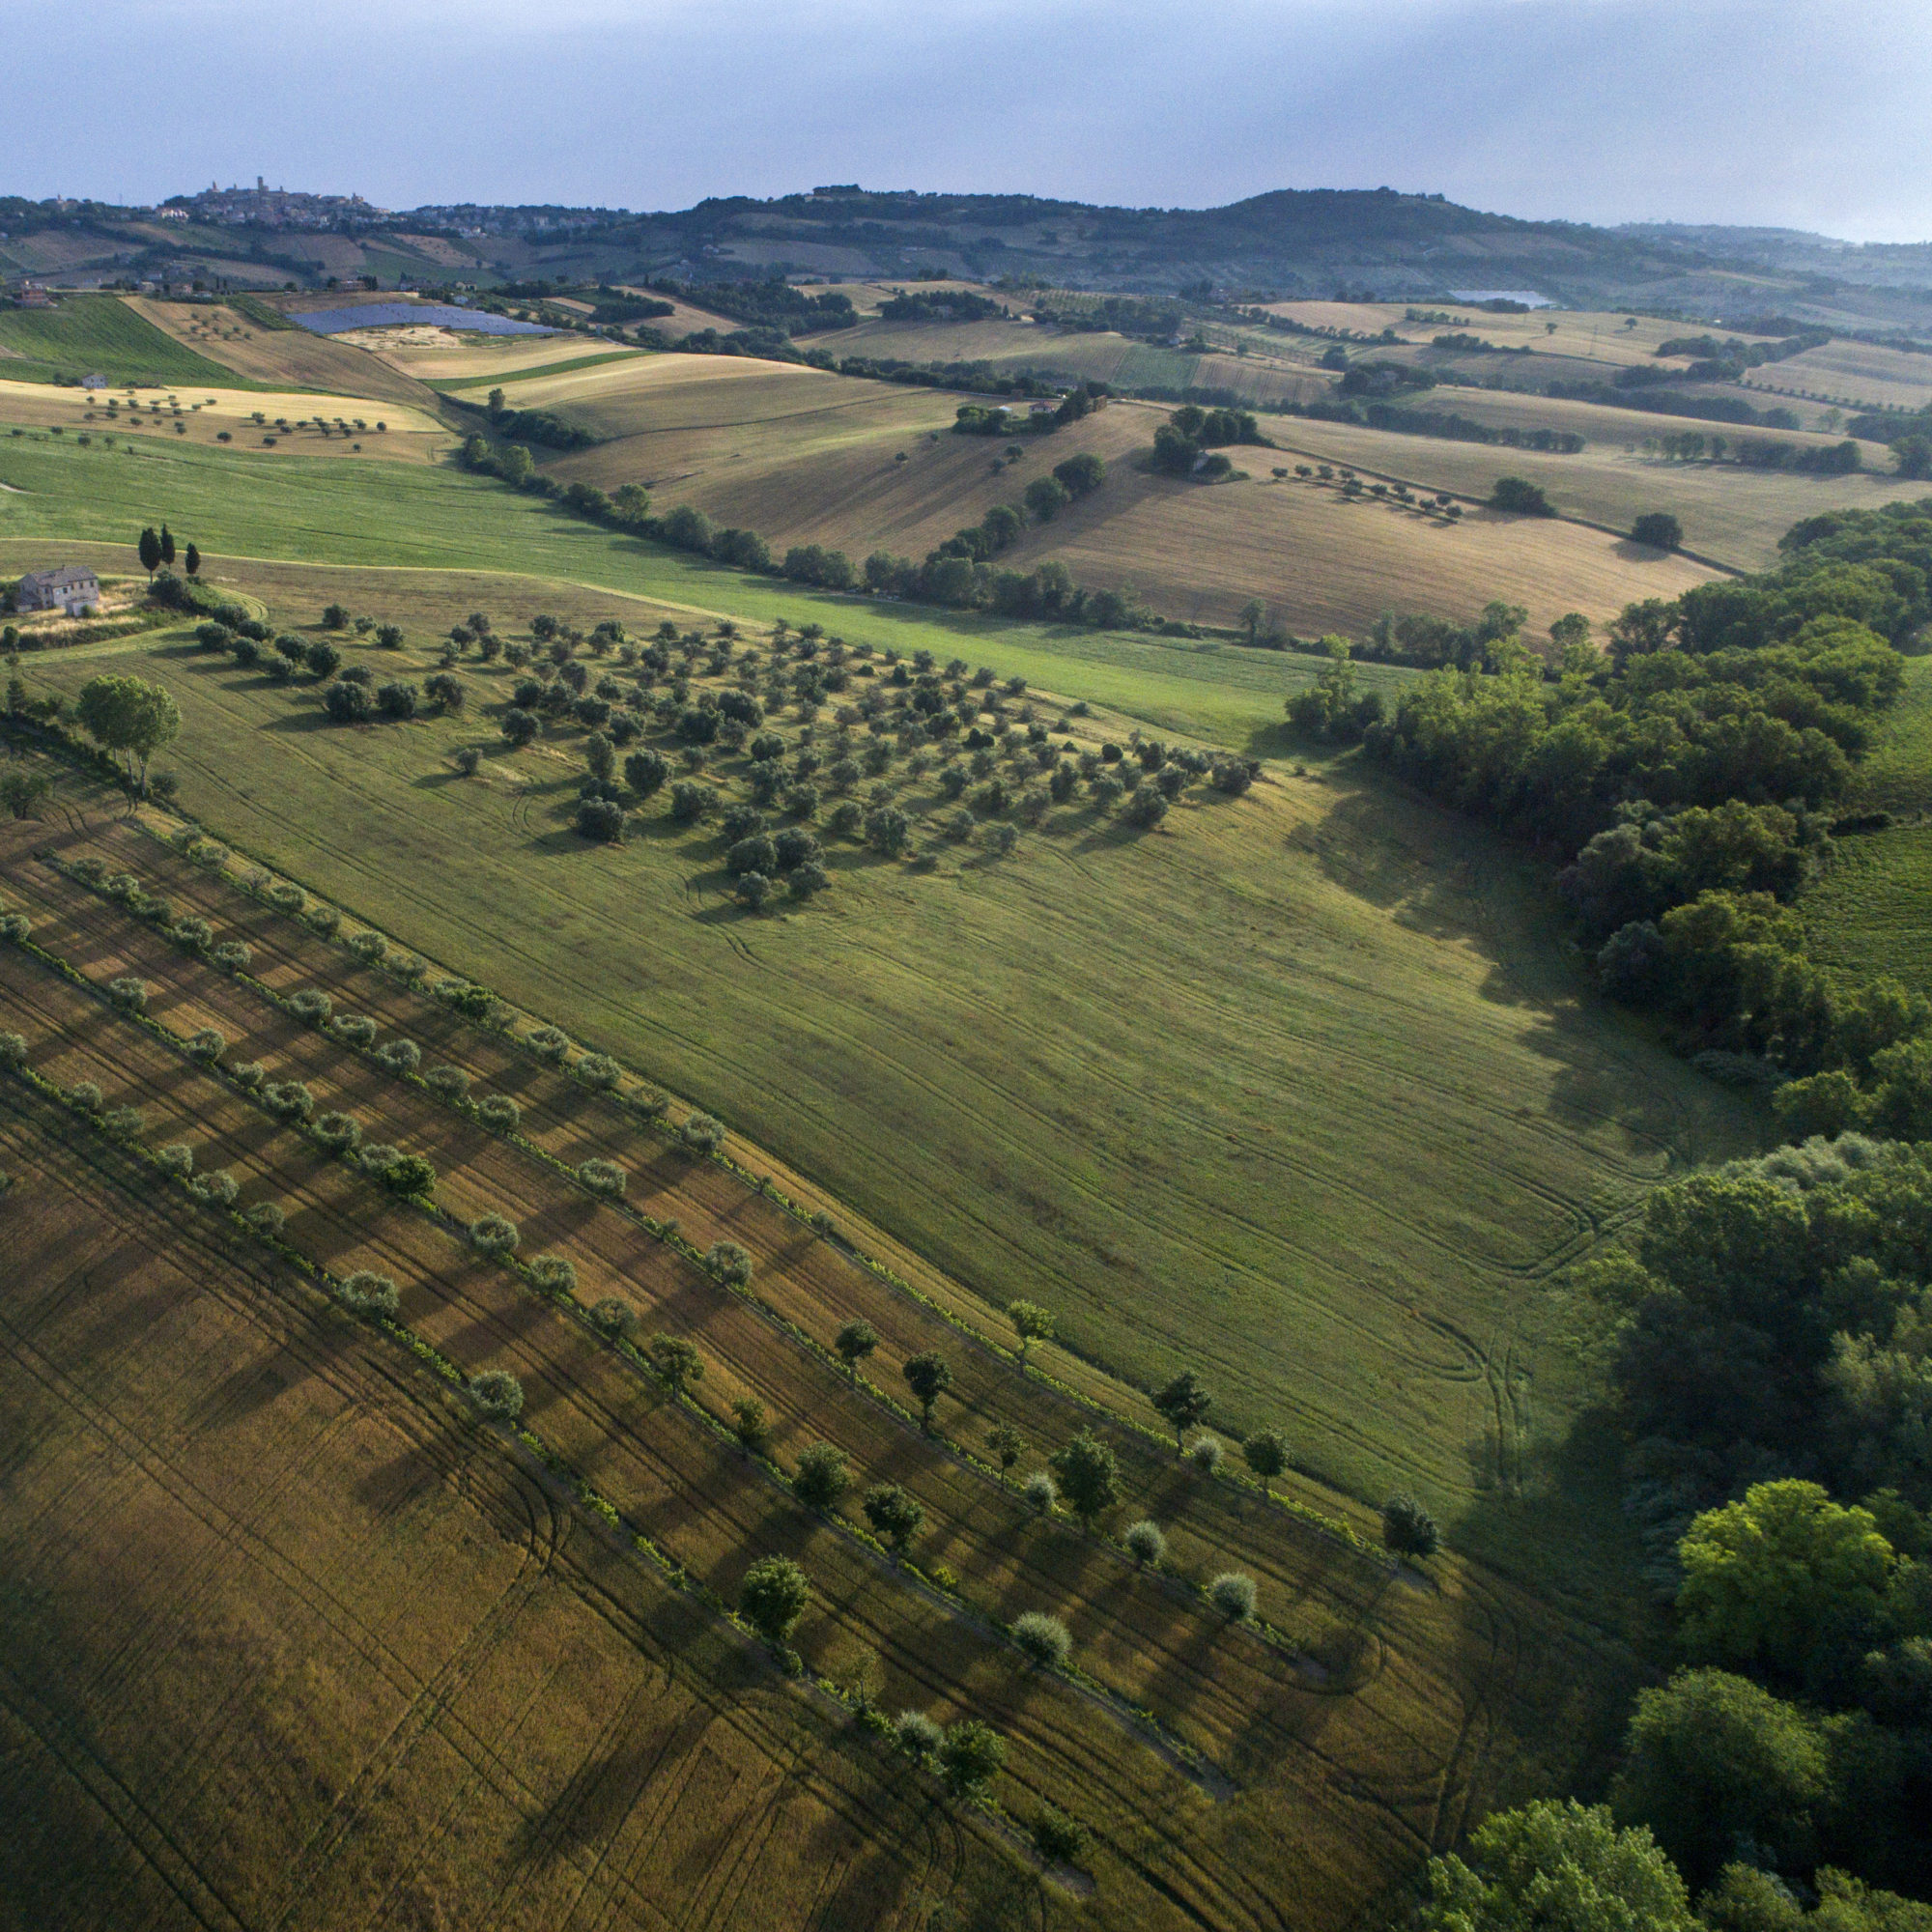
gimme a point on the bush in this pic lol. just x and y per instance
(599, 1070)
(86, 1096)
(690, 802)
(772, 1598)
(821, 1477)
(1145, 1542)
(353, 1030)
(13, 1049)
(345, 703)
(554, 1274)
(468, 759)
(551, 1044)
(1041, 1491)
(266, 1218)
(410, 1176)
(1658, 529)
(702, 1135)
(233, 956)
(1520, 498)
(207, 1045)
(497, 1395)
(500, 1112)
(1058, 1838)
(600, 820)
(603, 1177)
(193, 935)
(729, 1262)
(1045, 1641)
(123, 1123)
(338, 1131)
(970, 1756)
(289, 1100)
(176, 1160)
(613, 1317)
(397, 700)
(493, 1234)
(1206, 1453)
(310, 1007)
(218, 1189)
(248, 1075)
(369, 1293)
(1407, 1528)
(15, 929)
(1233, 1595)
(755, 854)
(446, 1083)
(918, 1734)
(129, 993)
(400, 1057)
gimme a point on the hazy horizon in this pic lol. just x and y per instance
(1796, 114)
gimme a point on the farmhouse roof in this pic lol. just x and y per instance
(66, 577)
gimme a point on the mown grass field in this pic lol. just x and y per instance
(1872, 911)
(84, 335)
(1365, 1730)
(1858, 375)
(1289, 1089)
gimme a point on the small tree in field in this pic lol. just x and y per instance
(1030, 1322)
(821, 1477)
(677, 1360)
(772, 1598)
(1267, 1456)
(1407, 1528)
(1043, 1639)
(928, 1376)
(1145, 1542)
(895, 1513)
(1232, 1595)
(749, 1423)
(1184, 1401)
(1089, 1477)
(855, 1342)
(1008, 1444)
(970, 1756)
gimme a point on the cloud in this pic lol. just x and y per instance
(1803, 113)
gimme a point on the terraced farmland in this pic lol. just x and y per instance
(1325, 1751)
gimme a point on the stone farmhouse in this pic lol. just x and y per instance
(73, 588)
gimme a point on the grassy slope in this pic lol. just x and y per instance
(411, 516)
(1873, 913)
(1288, 1092)
(86, 334)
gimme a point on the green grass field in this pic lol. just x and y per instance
(98, 334)
(1294, 1091)
(418, 516)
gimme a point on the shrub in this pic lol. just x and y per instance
(969, 1754)
(1233, 1595)
(497, 1395)
(207, 1045)
(340, 1131)
(821, 1477)
(1206, 1453)
(400, 1057)
(86, 1096)
(613, 1317)
(1520, 498)
(286, 897)
(369, 1293)
(129, 993)
(193, 935)
(446, 1083)
(233, 956)
(549, 1043)
(1407, 1528)
(600, 820)
(1658, 529)
(1145, 1542)
(493, 1234)
(176, 1160)
(1058, 1838)
(249, 1075)
(918, 1734)
(16, 927)
(397, 700)
(354, 1030)
(310, 1007)
(1045, 1641)
(729, 1262)
(603, 1177)
(217, 1188)
(266, 1218)
(410, 1176)
(702, 1135)
(677, 1360)
(1041, 1491)
(500, 1112)
(599, 1069)
(289, 1100)
(895, 1513)
(1146, 808)
(554, 1274)
(123, 1123)
(322, 919)
(772, 1598)
(345, 703)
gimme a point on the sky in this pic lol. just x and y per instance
(1781, 113)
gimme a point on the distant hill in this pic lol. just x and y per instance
(1364, 244)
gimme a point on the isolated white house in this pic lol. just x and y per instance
(73, 588)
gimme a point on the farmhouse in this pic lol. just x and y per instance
(72, 588)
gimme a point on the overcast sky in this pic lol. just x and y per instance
(1790, 113)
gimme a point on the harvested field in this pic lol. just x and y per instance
(289, 1643)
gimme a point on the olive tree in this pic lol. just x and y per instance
(772, 1598)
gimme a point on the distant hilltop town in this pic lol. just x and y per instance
(270, 207)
